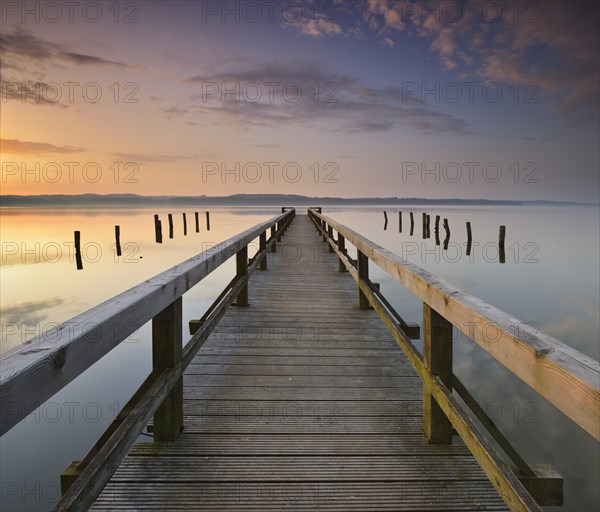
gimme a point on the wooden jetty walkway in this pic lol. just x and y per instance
(300, 397)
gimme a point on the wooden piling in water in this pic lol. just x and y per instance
(157, 229)
(386, 220)
(399, 222)
(78, 260)
(436, 230)
(424, 225)
(447, 238)
(197, 218)
(412, 223)
(207, 221)
(170, 225)
(501, 237)
(159, 232)
(118, 240)
(469, 239)
(184, 224)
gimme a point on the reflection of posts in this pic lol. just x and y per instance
(501, 236)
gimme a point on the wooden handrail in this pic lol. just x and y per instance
(565, 377)
(34, 372)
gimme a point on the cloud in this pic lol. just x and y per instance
(35, 148)
(552, 44)
(19, 46)
(318, 27)
(33, 92)
(155, 158)
(337, 102)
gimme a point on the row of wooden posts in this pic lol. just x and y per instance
(426, 221)
(157, 231)
(158, 225)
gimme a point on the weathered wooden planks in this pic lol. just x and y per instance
(302, 402)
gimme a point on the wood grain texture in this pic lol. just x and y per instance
(300, 404)
(34, 372)
(568, 379)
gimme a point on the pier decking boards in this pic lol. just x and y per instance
(300, 401)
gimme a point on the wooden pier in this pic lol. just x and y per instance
(307, 394)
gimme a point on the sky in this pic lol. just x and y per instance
(364, 98)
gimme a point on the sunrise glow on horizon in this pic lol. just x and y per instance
(493, 100)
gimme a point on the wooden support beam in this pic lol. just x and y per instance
(170, 225)
(363, 274)
(342, 248)
(437, 358)
(274, 239)
(241, 266)
(330, 236)
(167, 336)
(262, 247)
(69, 475)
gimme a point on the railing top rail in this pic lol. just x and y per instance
(32, 373)
(565, 377)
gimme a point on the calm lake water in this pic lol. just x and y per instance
(550, 279)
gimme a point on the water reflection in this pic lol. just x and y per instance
(553, 283)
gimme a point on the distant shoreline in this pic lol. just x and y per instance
(133, 200)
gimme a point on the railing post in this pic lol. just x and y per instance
(278, 231)
(324, 230)
(167, 336)
(274, 238)
(330, 236)
(342, 248)
(437, 357)
(241, 265)
(363, 275)
(262, 247)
